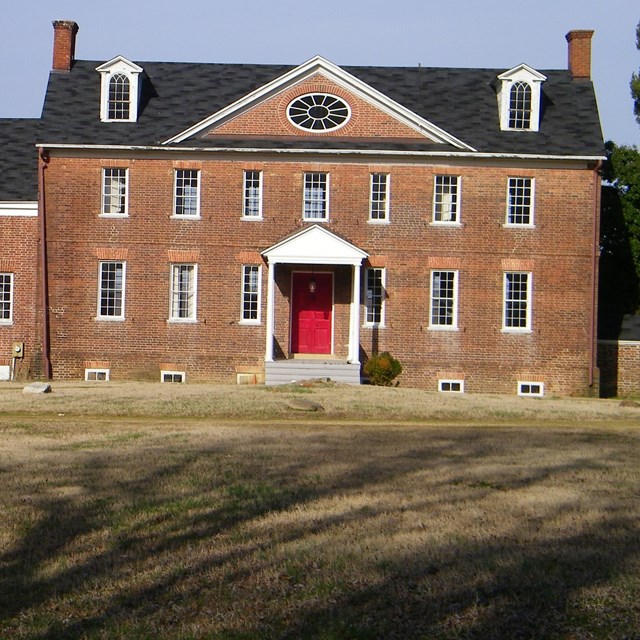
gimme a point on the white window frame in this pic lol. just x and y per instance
(504, 84)
(10, 278)
(181, 197)
(179, 377)
(453, 204)
(369, 299)
(528, 302)
(176, 295)
(512, 203)
(244, 308)
(520, 106)
(101, 288)
(525, 388)
(309, 176)
(439, 326)
(379, 206)
(444, 383)
(92, 375)
(248, 197)
(108, 197)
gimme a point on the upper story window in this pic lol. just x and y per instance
(316, 196)
(114, 192)
(446, 200)
(120, 89)
(519, 96)
(318, 112)
(186, 201)
(379, 202)
(252, 198)
(6, 298)
(520, 202)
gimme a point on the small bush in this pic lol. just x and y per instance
(382, 368)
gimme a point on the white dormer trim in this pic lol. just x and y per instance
(505, 81)
(119, 65)
(334, 73)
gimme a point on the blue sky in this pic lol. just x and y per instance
(457, 33)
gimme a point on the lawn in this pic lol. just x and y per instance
(188, 511)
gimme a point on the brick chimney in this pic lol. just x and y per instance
(64, 44)
(580, 54)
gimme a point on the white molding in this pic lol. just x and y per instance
(23, 209)
(506, 80)
(342, 78)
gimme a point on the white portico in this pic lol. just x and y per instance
(312, 255)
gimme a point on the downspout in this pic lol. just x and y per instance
(594, 289)
(42, 211)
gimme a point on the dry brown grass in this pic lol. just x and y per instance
(220, 513)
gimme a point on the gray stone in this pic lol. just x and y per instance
(629, 403)
(301, 404)
(37, 387)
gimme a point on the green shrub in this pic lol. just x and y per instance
(382, 368)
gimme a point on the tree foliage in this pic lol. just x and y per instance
(635, 82)
(619, 237)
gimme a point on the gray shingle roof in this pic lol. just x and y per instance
(176, 96)
(18, 159)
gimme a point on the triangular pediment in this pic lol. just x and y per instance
(314, 245)
(384, 116)
(522, 72)
(119, 64)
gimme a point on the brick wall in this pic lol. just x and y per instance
(19, 256)
(619, 364)
(558, 251)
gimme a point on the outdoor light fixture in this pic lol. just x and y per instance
(312, 286)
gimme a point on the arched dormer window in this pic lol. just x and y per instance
(120, 89)
(119, 97)
(519, 93)
(520, 106)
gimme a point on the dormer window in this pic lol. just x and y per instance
(520, 106)
(119, 101)
(519, 97)
(120, 89)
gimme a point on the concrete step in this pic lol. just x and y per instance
(287, 371)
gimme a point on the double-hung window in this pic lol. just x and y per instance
(517, 301)
(520, 201)
(187, 193)
(379, 203)
(6, 298)
(111, 280)
(252, 196)
(316, 196)
(446, 200)
(114, 192)
(183, 293)
(250, 294)
(443, 313)
(374, 296)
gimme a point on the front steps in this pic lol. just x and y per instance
(298, 369)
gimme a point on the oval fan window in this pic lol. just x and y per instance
(318, 112)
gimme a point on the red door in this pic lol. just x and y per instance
(311, 312)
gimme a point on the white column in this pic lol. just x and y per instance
(354, 328)
(268, 354)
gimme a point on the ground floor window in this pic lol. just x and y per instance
(517, 301)
(250, 293)
(6, 297)
(183, 292)
(444, 300)
(374, 296)
(111, 290)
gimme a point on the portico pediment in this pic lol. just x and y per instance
(315, 245)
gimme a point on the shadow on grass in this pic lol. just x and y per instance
(273, 538)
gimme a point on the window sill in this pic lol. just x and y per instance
(373, 325)
(315, 219)
(436, 327)
(382, 221)
(252, 218)
(516, 331)
(250, 323)
(113, 215)
(514, 225)
(175, 216)
(109, 318)
(182, 321)
(6, 323)
(445, 224)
